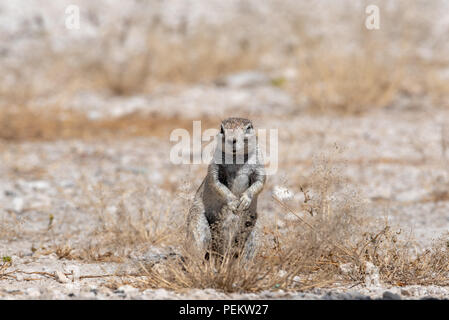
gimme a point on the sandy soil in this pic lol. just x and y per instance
(393, 157)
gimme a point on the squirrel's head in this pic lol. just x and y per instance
(237, 136)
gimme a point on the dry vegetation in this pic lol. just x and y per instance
(185, 58)
(27, 124)
(330, 231)
(382, 67)
(329, 86)
(329, 240)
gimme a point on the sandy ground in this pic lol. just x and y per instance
(393, 158)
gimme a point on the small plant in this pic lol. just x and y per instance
(332, 240)
(6, 259)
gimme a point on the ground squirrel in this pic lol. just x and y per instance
(224, 211)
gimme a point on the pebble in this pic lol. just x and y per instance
(18, 204)
(61, 277)
(126, 290)
(388, 295)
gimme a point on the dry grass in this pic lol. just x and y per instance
(349, 83)
(440, 185)
(373, 71)
(226, 273)
(329, 241)
(129, 219)
(118, 68)
(186, 58)
(19, 124)
(381, 69)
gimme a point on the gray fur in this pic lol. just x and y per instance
(224, 212)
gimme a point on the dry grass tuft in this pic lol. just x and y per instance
(335, 243)
(349, 83)
(129, 219)
(226, 273)
(189, 57)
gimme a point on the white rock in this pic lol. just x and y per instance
(39, 185)
(18, 204)
(75, 272)
(282, 193)
(61, 277)
(128, 290)
(245, 79)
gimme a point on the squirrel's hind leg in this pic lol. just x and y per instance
(251, 244)
(198, 231)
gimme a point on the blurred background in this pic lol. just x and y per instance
(178, 59)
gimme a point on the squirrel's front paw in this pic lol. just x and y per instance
(245, 202)
(233, 204)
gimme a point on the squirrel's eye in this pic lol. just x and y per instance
(249, 128)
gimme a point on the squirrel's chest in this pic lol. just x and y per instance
(236, 178)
